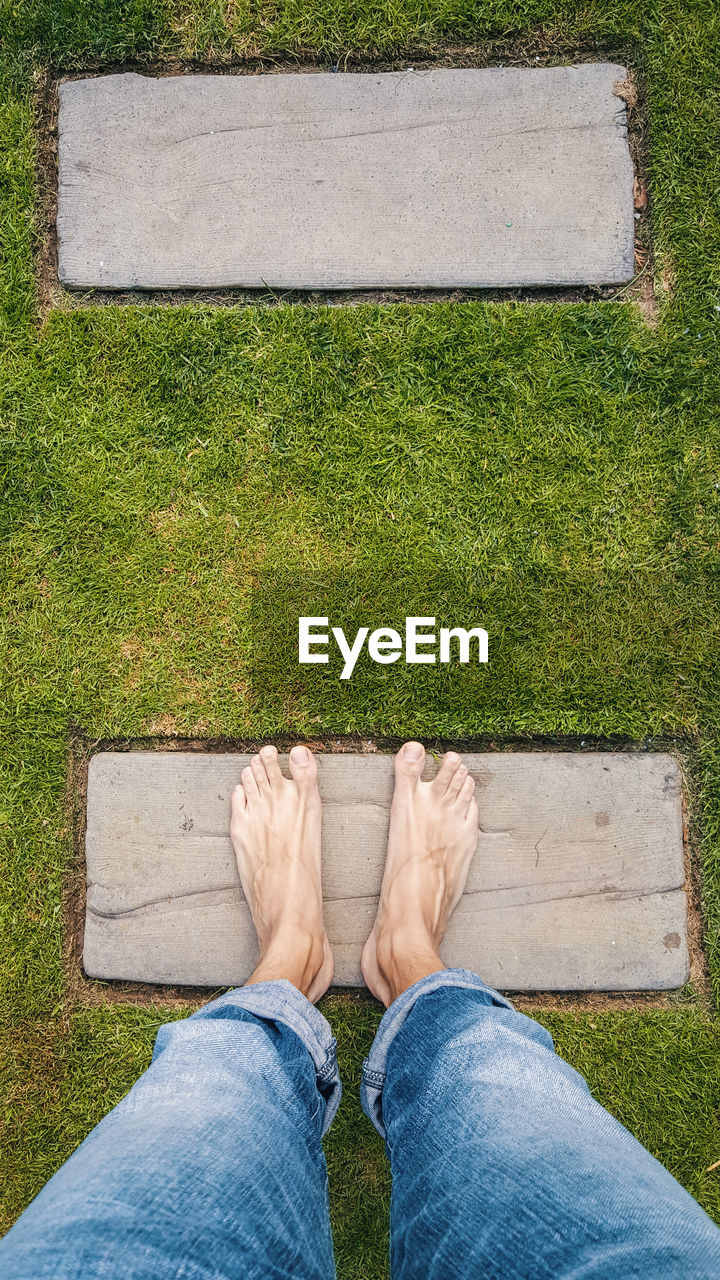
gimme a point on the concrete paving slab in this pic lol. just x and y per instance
(438, 179)
(577, 884)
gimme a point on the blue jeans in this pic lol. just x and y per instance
(503, 1165)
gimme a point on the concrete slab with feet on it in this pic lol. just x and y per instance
(577, 884)
(437, 179)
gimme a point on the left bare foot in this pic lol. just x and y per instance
(275, 830)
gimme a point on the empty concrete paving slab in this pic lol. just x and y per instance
(577, 883)
(439, 179)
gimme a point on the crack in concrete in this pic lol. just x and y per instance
(560, 127)
(186, 901)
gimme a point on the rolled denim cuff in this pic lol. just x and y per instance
(374, 1069)
(280, 1001)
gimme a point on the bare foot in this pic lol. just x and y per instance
(275, 830)
(433, 837)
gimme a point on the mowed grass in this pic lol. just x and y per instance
(180, 484)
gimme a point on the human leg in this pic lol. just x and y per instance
(212, 1166)
(503, 1164)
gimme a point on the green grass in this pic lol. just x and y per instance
(179, 485)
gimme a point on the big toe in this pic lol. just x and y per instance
(303, 767)
(409, 762)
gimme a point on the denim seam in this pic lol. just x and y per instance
(330, 1065)
(373, 1077)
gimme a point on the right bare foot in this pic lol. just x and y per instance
(433, 837)
(275, 830)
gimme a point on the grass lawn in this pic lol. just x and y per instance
(181, 483)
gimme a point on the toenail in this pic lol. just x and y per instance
(300, 755)
(413, 751)
(267, 751)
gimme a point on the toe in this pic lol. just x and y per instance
(271, 764)
(467, 798)
(303, 766)
(409, 762)
(260, 776)
(238, 802)
(451, 763)
(457, 782)
(250, 786)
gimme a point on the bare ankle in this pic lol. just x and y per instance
(296, 955)
(404, 957)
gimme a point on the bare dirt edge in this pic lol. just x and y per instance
(51, 296)
(84, 990)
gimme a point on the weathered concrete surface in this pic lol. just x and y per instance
(444, 178)
(576, 885)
